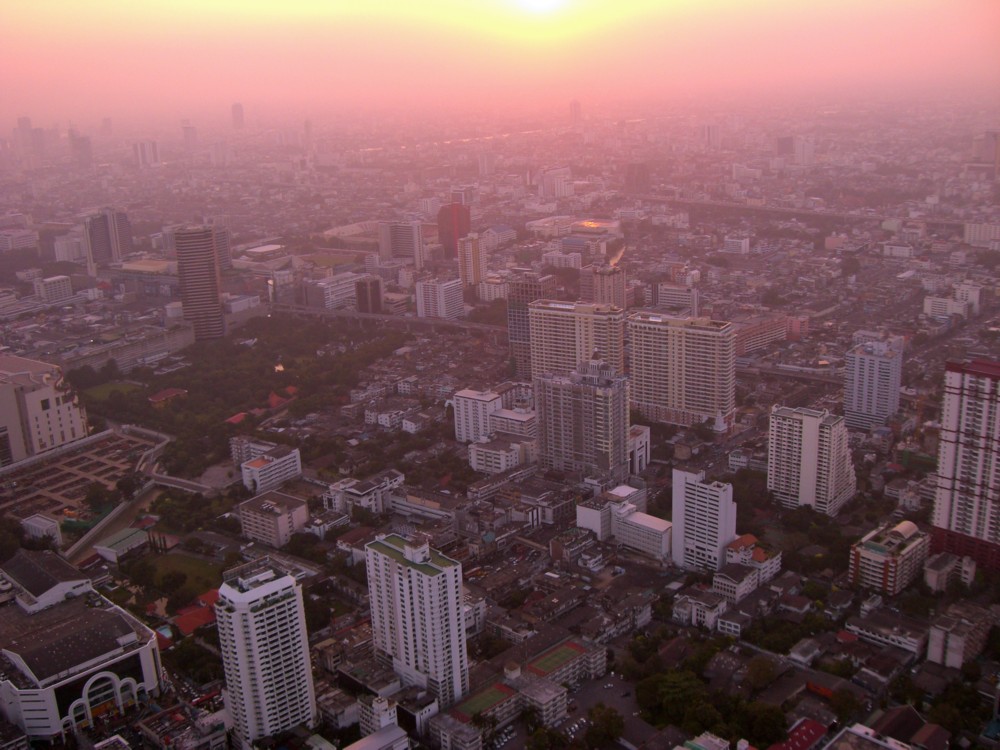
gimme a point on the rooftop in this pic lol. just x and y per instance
(37, 572)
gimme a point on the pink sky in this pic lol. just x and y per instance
(77, 60)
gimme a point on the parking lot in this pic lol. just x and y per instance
(612, 691)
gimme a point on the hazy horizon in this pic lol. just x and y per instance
(76, 62)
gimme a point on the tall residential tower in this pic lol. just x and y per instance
(198, 271)
(416, 612)
(265, 651)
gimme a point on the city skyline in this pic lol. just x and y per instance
(190, 60)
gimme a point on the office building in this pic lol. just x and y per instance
(265, 651)
(607, 285)
(402, 240)
(198, 271)
(471, 260)
(38, 409)
(704, 521)
(522, 289)
(683, 370)
(563, 334)
(333, 292)
(809, 461)
(440, 299)
(237, 112)
(873, 373)
(108, 238)
(53, 289)
(888, 560)
(418, 625)
(368, 294)
(583, 421)
(70, 657)
(454, 221)
(966, 514)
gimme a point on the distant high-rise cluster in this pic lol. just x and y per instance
(454, 221)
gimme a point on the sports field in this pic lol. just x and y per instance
(482, 701)
(554, 658)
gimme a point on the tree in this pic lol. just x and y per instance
(127, 485)
(760, 672)
(172, 580)
(606, 726)
(844, 703)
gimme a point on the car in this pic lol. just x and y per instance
(627, 694)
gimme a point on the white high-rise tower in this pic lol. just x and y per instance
(809, 460)
(704, 521)
(416, 611)
(265, 651)
(873, 372)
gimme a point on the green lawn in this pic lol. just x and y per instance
(101, 392)
(201, 574)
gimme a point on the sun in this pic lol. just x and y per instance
(541, 7)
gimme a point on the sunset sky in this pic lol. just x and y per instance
(78, 60)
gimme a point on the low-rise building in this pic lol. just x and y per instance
(735, 582)
(699, 608)
(272, 468)
(273, 517)
(887, 629)
(888, 560)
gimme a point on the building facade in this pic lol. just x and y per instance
(583, 421)
(967, 502)
(873, 373)
(440, 299)
(265, 651)
(704, 521)
(888, 560)
(38, 409)
(564, 334)
(416, 613)
(683, 370)
(522, 289)
(808, 460)
(198, 271)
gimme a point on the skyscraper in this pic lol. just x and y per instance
(873, 372)
(416, 614)
(471, 260)
(108, 238)
(808, 460)
(265, 651)
(683, 369)
(524, 288)
(583, 421)
(237, 112)
(704, 519)
(454, 221)
(198, 271)
(402, 239)
(564, 334)
(966, 515)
